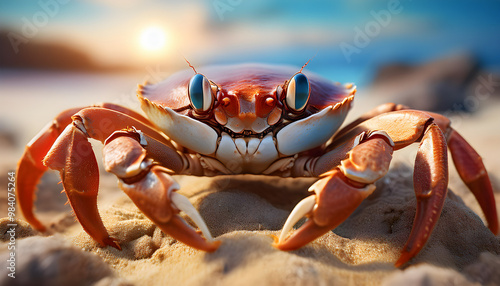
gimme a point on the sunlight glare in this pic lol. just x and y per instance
(153, 38)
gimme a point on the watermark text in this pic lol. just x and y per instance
(11, 245)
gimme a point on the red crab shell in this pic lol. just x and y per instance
(245, 80)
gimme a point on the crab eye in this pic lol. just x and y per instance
(200, 93)
(297, 92)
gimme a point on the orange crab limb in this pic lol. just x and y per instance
(467, 161)
(154, 195)
(339, 192)
(471, 169)
(123, 110)
(100, 123)
(368, 162)
(152, 190)
(30, 168)
(73, 157)
(383, 108)
(335, 200)
(430, 181)
(71, 154)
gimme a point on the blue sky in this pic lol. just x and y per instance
(272, 31)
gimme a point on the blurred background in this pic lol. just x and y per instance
(442, 56)
(56, 54)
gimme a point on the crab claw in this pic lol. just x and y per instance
(155, 196)
(152, 189)
(336, 197)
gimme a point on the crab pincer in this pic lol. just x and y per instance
(153, 190)
(342, 191)
(334, 201)
(339, 192)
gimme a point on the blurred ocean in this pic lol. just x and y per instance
(107, 35)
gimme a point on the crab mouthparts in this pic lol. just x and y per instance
(247, 133)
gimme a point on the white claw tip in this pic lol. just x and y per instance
(301, 209)
(182, 203)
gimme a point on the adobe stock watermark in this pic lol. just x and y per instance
(32, 25)
(363, 37)
(486, 86)
(223, 6)
(11, 208)
(484, 89)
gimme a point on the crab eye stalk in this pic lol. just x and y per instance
(297, 93)
(200, 94)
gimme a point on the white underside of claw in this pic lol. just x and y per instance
(312, 131)
(365, 176)
(301, 209)
(184, 130)
(182, 203)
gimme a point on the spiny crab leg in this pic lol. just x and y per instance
(152, 189)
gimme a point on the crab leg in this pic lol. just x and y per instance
(467, 161)
(368, 162)
(30, 168)
(152, 190)
(381, 109)
(150, 187)
(73, 157)
(430, 181)
(471, 169)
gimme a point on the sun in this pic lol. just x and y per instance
(153, 38)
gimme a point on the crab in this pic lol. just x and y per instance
(249, 118)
